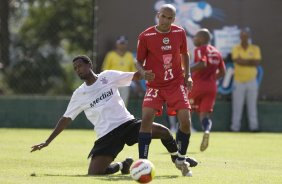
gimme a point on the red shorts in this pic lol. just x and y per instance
(175, 98)
(202, 100)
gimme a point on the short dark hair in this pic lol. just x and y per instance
(84, 58)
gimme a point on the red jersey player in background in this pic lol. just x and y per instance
(161, 50)
(208, 67)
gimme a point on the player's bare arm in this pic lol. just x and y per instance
(252, 62)
(137, 76)
(246, 62)
(146, 74)
(220, 73)
(61, 125)
(198, 66)
(186, 65)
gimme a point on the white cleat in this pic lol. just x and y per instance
(184, 167)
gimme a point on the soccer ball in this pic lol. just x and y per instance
(142, 170)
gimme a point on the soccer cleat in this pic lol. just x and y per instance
(184, 167)
(193, 162)
(126, 165)
(205, 141)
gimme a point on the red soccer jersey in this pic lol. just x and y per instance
(206, 78)
(161, 53)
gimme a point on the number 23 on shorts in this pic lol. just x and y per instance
(152, 93)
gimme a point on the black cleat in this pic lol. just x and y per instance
(193, 162)
(126, 165)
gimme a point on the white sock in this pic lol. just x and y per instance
(120, 165)
(181, 156)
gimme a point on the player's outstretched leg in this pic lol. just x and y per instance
(101, 165)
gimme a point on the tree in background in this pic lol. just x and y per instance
(49, 34)
(59, 23)
(4, 33)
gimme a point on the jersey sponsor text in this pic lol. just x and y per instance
(102, 97)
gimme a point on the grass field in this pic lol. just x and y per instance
(231, 158)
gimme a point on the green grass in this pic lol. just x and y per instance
(231, 158)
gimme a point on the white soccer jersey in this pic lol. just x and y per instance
(101, 101)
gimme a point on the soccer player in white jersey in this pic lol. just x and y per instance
(100, 100)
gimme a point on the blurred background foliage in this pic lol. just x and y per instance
(43, 36)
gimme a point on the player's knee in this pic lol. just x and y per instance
(161, 132)
(167, 134)
(93, 172)
(185, 127)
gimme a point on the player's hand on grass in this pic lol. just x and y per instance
(38, 146)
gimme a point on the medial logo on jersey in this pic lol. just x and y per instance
(105, 95)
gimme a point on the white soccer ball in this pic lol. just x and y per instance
(142, 170)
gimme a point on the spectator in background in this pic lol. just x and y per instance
(246, 58)
(207, 68)
(122, 60)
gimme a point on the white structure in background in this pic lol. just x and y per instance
(226, 38)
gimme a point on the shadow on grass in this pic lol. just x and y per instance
(99, 177)
(66, 175)
(190, 153)
(123, 177)
(119, 177)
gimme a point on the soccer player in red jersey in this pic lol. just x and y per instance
(161, 51)
(208, 67)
